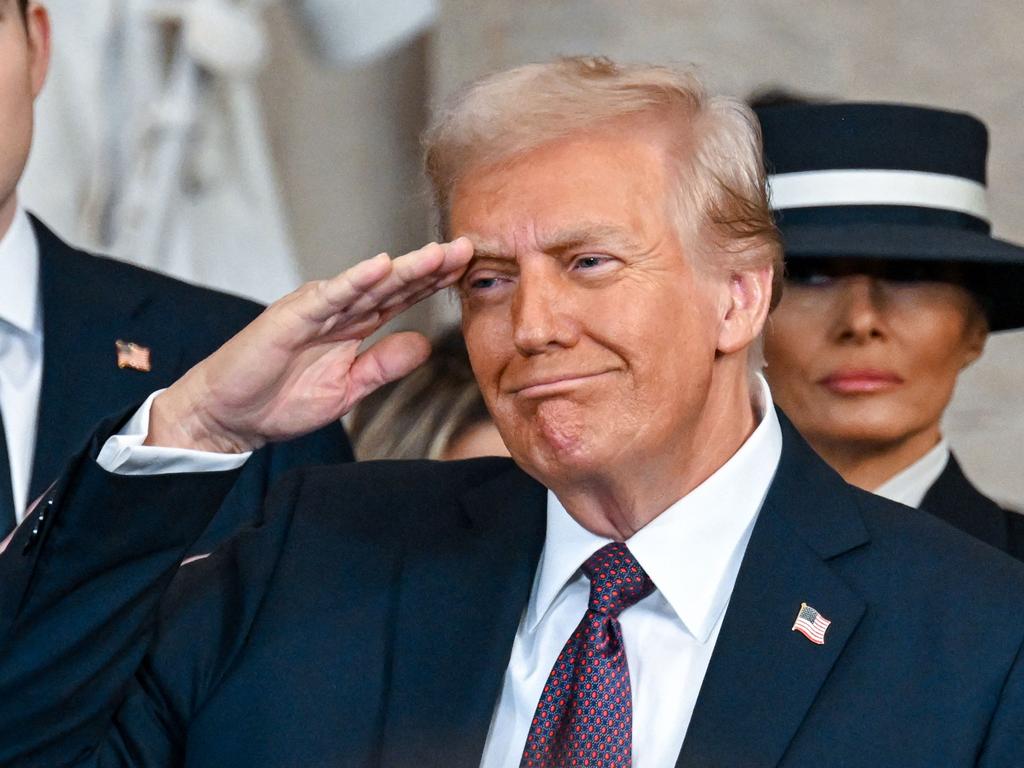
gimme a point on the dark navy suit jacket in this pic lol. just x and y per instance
(89, 302)
(954, 499)
(368, 620)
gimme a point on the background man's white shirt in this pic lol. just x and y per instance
(21, 351)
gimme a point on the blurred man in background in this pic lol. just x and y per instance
(82, 337)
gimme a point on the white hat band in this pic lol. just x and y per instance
(812, 189)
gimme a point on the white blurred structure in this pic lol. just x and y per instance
(150, 142)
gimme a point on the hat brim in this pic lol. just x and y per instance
(994, 268)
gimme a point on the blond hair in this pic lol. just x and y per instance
(719, 187)
(423, 414)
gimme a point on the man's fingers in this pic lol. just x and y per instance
(427, 267)
(321, 300)
(343, 294)
(388, 359)
(395, 310)
(411, 274)
(355, 303)
(457, 255)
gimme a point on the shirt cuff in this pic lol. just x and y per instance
(124, 453)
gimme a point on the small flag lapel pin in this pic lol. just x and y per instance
(811, 624)
(132, 355)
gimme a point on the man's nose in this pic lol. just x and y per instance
(542, 315)
(861, 310)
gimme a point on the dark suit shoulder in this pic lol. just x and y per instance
(339, 501)
(125, 282)
(457, 475)
(416, 494)
(934, 564)
(324, 529)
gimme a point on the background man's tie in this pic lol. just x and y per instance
(585, 712)
(7, 512)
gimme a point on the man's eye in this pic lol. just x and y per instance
(483, 283)
(589, 262)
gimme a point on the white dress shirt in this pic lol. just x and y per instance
(692, 551)
(21, 351)
(124, 453)
(910, 485)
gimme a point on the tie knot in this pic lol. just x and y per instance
(616, 580)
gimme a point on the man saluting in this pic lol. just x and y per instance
(664, 574)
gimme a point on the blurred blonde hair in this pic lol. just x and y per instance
(423, 414)
(719, 187)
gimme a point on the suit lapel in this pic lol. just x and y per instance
(952, 498)
(461, 598)
(82, 318)
(763, 676)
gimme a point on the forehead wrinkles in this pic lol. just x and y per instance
(599, 234)
(517, 239)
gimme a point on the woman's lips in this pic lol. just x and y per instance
(860, 381)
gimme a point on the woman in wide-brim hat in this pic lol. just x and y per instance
(893, 284)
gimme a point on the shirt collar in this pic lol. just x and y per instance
(909, 486)
(693, 549)
(19, 275)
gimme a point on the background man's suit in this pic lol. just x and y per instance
(89, 302)
(369, 622)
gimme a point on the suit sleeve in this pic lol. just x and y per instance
(79, 587)
(204, 621)
(1004, 746)
(241, 508)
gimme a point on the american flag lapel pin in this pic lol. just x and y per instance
(811, 624)
(132, 355)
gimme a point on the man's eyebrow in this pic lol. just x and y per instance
(582, 235)
(485, 250)
(483, 253)
(560, 240)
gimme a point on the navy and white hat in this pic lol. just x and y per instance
(893, 182)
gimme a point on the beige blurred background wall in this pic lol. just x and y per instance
(347, 151)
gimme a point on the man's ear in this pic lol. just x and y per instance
(749, 299)
(37, 24)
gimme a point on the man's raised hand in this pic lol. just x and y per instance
(298, 366)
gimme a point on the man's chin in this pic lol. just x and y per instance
(559, 443)
(560, 464)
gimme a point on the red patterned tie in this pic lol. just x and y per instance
(585, 713)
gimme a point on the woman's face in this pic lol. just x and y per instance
(869, 357)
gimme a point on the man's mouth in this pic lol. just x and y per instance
(557, 384)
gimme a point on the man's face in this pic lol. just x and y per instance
(592, 335)
(24, 55)
(856, 358)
